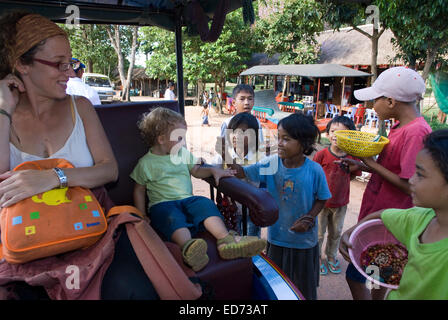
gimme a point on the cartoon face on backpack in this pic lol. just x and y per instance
(53, 197)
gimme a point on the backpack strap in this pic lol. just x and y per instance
(167, 275)
(116, 210)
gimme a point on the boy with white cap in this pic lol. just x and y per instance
(396, 93)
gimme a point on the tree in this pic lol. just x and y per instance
(220, 60)
(349, 13)
(420, 29)
(289, 30)
(159, 44)
(117, 35)
(90, 44)
(203, 61)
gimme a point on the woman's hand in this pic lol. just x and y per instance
(19, 185)
(10, 87)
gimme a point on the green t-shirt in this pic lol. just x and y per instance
(425, 275)
(166, 178)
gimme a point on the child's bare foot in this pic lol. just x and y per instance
(234, 246)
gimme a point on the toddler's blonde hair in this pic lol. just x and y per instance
(158, 122)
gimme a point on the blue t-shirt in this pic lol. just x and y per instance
(295, 191)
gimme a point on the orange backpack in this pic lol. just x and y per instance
(52, 222)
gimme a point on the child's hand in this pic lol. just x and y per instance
(219, 173)
(352, 164)
(345, 244)
(303, 224)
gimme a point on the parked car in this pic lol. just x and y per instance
(101, 83)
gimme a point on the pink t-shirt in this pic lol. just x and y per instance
(399, 157)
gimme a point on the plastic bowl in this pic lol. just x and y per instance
(368, 234)
(360, 144)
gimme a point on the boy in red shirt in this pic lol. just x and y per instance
(338, 178)
(396, 93)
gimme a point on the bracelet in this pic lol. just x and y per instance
(63, 183)
(6, 113)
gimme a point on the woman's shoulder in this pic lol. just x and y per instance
(83, 105)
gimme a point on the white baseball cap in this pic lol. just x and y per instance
(400, 83)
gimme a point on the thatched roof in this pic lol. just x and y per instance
(350, 47)
(139, 74)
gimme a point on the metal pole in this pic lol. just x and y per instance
(317, 99)
(179, 62)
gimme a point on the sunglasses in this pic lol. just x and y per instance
(61, 66)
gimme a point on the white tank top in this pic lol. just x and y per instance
(74, 150)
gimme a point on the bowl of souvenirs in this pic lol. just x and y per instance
(377, 254)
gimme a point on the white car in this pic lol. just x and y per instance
(101, 83)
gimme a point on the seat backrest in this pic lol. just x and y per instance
(120, 124)
(334, 109)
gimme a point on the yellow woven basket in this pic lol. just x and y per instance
(360, 144)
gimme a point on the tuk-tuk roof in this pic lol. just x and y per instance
(160, 13)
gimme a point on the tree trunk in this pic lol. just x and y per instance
(132, 62)
(116, 44)
(430, 57)
(201, 89)
(374, 55)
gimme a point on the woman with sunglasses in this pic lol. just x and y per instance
(38, 120)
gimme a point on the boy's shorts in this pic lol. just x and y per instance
(169, 216)
(353, 274)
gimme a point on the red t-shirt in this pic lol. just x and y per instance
(338, 180)
(399, 157)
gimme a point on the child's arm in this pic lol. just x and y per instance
(400, 183)
(140, 197)
(304, 223)
(204, 172)
(354, 165)
(345, 243)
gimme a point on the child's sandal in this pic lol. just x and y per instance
(247, 246)
(194, 253)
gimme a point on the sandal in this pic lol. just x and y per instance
(334, 267)
(323, 269)
(247, 246)
(194, 253)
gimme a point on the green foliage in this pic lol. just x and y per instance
(290, 31)
(160, 44)
(341, 14)
(208, 62)
(91, 45)
(434, 123)
(418, 26)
